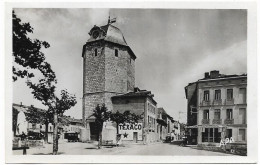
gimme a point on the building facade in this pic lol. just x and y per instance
(220, 107)
(165, 124)
(140, 102)
(108, 69)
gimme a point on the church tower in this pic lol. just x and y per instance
(108, 68)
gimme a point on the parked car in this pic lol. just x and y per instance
(168, 139)
(35, 135)
(72, 136)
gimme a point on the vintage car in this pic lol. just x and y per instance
(72, 136)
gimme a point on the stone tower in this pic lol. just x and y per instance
(108, 68)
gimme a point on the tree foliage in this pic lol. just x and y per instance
(101, 114)
(125, 117)
(39, 116)
(26, 52)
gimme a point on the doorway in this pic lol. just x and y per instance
(135, 137)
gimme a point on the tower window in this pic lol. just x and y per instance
(116, 52)
(96, 52)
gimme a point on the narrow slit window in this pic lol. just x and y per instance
(96, 52)
(116, 52)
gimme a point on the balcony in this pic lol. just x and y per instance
(216, 121)
(205, 121)
(229, 121)
(217, 102)
(205, 103)
(229, 101)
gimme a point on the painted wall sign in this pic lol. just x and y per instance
(131, 131)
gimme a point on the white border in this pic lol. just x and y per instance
(252, 84)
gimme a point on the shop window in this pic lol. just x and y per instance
(211, 135)
(229, 114)
(206, 96)
(217, 114)
(229, 94)
(228, 133)
(217, 135)
(217, 94)
(206, 114)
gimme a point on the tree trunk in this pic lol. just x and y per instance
(46, 132)
(117, 130)
(55, 133)
(100, 139)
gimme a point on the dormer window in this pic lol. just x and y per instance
(116, 52)
(95, 34)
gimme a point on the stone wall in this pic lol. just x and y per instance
(91, 101)
(94, 68)
(135, 105)
(119, 71)
(105, 75)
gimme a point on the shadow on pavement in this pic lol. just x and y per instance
(91, 148)
(59, 153)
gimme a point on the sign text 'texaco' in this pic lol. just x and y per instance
(130, 127)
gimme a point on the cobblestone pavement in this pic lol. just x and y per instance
(129, 149)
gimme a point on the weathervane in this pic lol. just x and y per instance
(110, 21)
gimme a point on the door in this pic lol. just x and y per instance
(135, 136)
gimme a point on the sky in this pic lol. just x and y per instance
(173, 47)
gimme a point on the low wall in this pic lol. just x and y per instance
(231, 148)
(17, 142)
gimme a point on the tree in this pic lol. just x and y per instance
(44, 91)
(125, 117)
(27, 54)
(101, 115)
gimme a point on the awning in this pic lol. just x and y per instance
(162, 122)
(205, 126)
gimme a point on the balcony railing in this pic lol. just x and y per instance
(205, 103)
(217, 102)
(216, 121)
(229, 121)
(205, 121)
(229, 101)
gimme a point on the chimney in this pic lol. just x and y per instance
(206, 75)
(21, 104)
(136, 89)
(214, 74)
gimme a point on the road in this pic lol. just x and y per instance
(164, 149)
